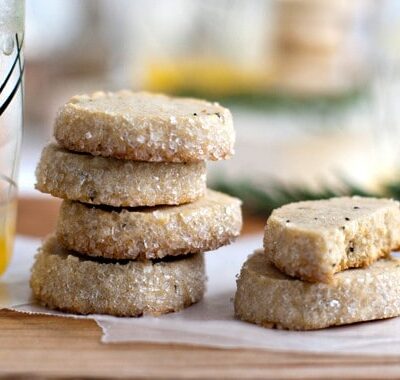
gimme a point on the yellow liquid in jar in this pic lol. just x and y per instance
(8, 212)
(204, 75)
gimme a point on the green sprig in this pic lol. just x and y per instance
(261, 202)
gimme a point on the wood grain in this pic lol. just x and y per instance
(56, 347)
(37, 216)
(33, 346)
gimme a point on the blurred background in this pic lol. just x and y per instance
(313, 84)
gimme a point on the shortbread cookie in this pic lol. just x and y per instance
(145, 127)
(313, 240)
(113, 182)
(149, 233)
(268, 297)
(66, 281)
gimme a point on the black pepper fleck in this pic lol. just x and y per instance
(346, 218)
(356, 207)
(218, 114)
(288, 221)
(194, 114)
(351, 246)
(343, 228)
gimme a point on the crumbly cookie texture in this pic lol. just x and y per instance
(269, 298)
(145, 127)
(65, 281)
(149, 233)
(119, 183)
(313, 240)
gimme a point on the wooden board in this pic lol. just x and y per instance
(49, 347)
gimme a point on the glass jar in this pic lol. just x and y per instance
(11, 118)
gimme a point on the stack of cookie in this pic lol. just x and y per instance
(309, 42)
(324, 263)
(136, 216)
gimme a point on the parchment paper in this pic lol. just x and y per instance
(210, 322)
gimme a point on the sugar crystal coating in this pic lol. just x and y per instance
(268, 297)
(145, 127)
(154, 232)
(63, 280)
(114, 182)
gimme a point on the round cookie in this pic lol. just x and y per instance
(65, 281)
(269, 298)
(148, 233)
(113, 182)
(145, 127)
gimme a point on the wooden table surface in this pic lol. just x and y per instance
(49, 347)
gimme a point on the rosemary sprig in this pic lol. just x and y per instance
(261, 202)
(274, 101)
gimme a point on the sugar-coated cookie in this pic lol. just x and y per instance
(152, 232)
(313, 240)
(269, 298)
(145, 127)
(66, 281)
(118, 183)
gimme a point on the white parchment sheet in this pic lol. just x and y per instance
(210, 322)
